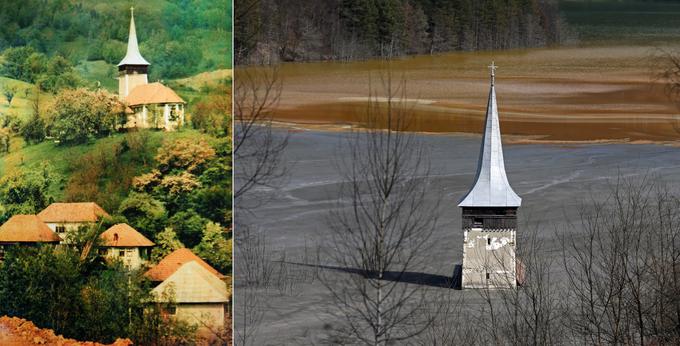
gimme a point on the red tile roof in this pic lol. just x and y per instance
(153, 93)
(122, 235)
(26, 229)
(72, 212)
(168, 265)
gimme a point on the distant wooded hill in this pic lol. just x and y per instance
(299, 30)
(179, 37)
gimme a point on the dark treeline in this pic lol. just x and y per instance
(293, 30)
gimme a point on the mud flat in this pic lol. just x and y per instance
(566, 94)
(553, 181)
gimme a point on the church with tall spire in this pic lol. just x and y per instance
(150, 105)
(490, 212)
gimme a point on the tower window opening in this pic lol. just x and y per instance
(477, 222)
(488, 241)
(488, 276)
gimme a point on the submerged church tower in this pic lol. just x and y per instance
(490, 213)
(133, 69)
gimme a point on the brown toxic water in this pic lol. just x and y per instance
(566, 94)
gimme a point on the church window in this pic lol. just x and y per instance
(488, 276)
(488, 241)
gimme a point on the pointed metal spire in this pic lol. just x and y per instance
(491, 187)
(133, 56)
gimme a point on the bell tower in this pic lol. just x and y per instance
(132, 70)
(490, 213)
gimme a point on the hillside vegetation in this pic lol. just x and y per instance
(178, 37)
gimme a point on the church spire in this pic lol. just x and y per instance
(133, 57)
(491, 187)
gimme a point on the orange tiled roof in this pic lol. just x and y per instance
(26, 229)
(146, 94)
(122, 235)
(168, 265)
(72, 212)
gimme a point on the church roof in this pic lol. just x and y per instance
(133, 56)
(153, 93)
(168, 265)
(72, 212)
(26, 229)
(122, 235)
(193, 283)
(491, 187)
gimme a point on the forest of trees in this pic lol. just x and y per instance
(293, 30)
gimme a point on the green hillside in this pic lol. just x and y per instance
(62, 159)
(178, 37)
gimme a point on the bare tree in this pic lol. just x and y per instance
(529, 313)
(257, 149)
(254, 271)
(381, 226)
(258, 163)
(622, 285)
(667, 71)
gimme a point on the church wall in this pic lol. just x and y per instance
(127, 82)
(489, 258)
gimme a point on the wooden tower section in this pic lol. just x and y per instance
(490, 213)
(133, 69)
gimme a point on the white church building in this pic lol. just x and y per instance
(150, 105)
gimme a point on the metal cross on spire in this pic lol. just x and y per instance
(493, 68)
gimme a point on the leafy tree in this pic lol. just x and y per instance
(25, 192)
(186, 154)
(215, 247)
(189, 226)
(33, 131)
(166, 242)
(58, 75)
(213, 198)
(52, 288)
(14, 62)
(41, 285)
(9, 94)
(80, 115)
(144, 213)
(212, 113)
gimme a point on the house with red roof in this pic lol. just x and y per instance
(65, 217)
(25, 230)
(199, 292)
(124, 243)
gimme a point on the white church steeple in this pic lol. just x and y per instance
(133, 69)
(133, 56)
(491, 187)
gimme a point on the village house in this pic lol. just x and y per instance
(25, 230)
(126, 244)
(150, 105)
(200, 293)
(490, 213)
(65, 217)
